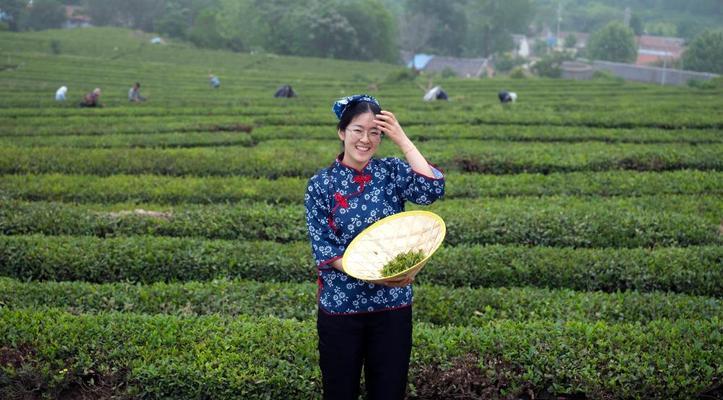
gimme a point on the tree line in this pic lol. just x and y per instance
(359, 29)
(375, 30)
(677, 18)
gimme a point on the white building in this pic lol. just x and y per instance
(522, 45)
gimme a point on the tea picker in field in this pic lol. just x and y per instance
(214, 81)
(285, 91)
(134, 93)
(60, 93)
(507, 97)
(436, 93)
(361, 323)
(91, 99)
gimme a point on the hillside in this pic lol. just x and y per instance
(159, 249)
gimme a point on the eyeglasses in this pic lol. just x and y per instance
(373, 135)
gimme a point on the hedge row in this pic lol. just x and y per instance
(174, 190)
(522, 133)
(303, 158)
(54, 353)
(433, 304)
(156, 140)
(31, 129)
(553, 221)
(170, 190)
(316, 112)
(233, 133)
(693, 270)
(252, 95)
(545, 222)
(670, 117)
(316, 101)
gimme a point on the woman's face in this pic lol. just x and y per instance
(361, 139)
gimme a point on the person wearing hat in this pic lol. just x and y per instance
(91, 99)
(359, 323)
(60, 93)
(134, 93)
(214, 81)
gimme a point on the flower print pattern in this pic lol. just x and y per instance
(342, 104)
(340, 203)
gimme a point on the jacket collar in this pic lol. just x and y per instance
(339, 162)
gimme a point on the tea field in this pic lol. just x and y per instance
(158, 250)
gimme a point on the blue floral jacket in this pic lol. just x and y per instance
(342, 201)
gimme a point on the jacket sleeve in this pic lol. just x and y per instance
(415, 187)
(325, 244)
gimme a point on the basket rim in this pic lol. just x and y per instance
(355, 242)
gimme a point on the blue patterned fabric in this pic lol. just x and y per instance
(342, 104)
(340, 203)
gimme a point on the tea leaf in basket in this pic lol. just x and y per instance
(402, 262)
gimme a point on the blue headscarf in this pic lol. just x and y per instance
(345, 103)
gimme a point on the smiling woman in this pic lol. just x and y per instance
(358, 132)
(362, 323)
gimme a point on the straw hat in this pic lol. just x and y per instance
(382, 241)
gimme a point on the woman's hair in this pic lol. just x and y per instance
(356, 109)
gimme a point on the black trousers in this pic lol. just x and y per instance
(380, 341)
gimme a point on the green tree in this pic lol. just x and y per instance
(43, 14)
(102, 12)
(374, 27)
(636, 24)
(240, 22)
(550, 66)
(540, 47)
(361, 30)
(142, 14)
(204, 32)
(282, 24)
(589, 17)
(661, 28)
(492, 22)
(330, 34)
(570, 41)
(277, 26)
(449, 31)
(175, 21)
(705, 53)
(614, 42)
(506, 62)
(415, 31)
(13, 9)
(662, 17)
(139, 14)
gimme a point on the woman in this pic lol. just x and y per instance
(361, 323)
(91, 99)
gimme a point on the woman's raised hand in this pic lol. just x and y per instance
(387, 123)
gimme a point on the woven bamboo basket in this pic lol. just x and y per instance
(378, 244)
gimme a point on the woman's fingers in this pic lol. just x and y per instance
(385, 112)
(386, 115)
(384, 126)
(386, 123)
